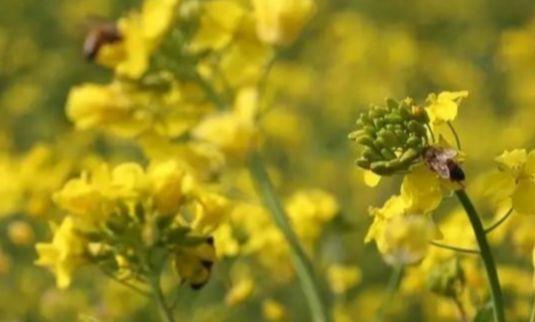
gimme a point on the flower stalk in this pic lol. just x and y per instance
(303, 266)
(486, 255)
(166, 315)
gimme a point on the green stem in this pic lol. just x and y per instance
(532, 316)
(302, 264)
(164, 310)
(486, 255)
(455, 135)
(393, 285)
(499, 222)
(455, 248)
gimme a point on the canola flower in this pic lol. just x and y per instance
(404, 138)
(177, 67)
(199, 82)
(129, 222)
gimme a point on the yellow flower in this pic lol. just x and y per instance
(370, 178)
(233, 132)
(421, 190)
(20, 233)
(516, 179)
(211, 209)
(273, 310)
(240, 291)
(401, 236)
(219, 22)
(128, 180)
(171, 184)
(309, 210)
(64, 254)
(279, 22)
(342, 277)
(141, 34)
(405, 239)
(244, 63)
(110, 106)
(81, 198)
(513, 160)
(443, 108)
(393, 207)
(225, 242)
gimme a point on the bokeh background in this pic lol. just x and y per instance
(352, 53)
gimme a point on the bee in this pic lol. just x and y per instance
(194, 265)
(441, 161)
(101, 34)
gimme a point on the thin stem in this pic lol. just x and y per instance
(210, 92)
(455, 248)
(303, 266)
(499, 222)
(392, 287)
(431, 133)
(455, 135)
(125, 283)
(164, 310)
(486, 255)
(460, 308)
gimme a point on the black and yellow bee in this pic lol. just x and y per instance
(194, 264)
(442, 161)
(101, 34)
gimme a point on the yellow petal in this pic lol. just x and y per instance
(529, 166)
(443, 108)
(524, 196)
(512, 160)
(421, 190)
(371, 179)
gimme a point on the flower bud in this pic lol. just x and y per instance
(392, 137)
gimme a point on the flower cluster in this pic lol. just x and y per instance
(399, 138)
(129, 222)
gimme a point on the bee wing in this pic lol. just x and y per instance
(442, 169)
(447, 154)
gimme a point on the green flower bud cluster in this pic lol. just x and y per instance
(446, 279)
(134, 242)
(392, 137)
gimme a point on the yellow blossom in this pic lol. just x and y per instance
(81, 198)
(405, 239)
(273, 310)
(370, 178)
(443, 108)
(309, 210)
(343, 277)
(516, 180)
(225, 242)
(234, 132)
(279, 22)
(240, 291)
(422, 191)
(111, 106)
(141, 33)
(171, 184)
(128, 180)
(401, 236)
(20, 233)
(211, 209)
(219, 21)
(64, 254)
